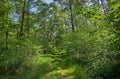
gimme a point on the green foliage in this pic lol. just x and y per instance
(49, 49)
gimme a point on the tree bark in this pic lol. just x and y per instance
(71, 15)
(7, 32)
(6, 39)
(22, 20)
(28, 17)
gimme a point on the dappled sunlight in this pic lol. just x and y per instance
(59, 39)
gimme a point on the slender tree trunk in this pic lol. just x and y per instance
(6, 39)
(71, 15)
(22, 19)
(28, 17)
(7, 33)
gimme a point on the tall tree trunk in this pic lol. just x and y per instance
(71, 15)
(7, 33)
(6, 40)
(28, 17)
(22, 19)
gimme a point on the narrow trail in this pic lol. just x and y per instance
(47, 67)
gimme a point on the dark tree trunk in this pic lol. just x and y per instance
(7, 32)
(71, 15)
(28, 17)
(22, 20)
(7, 39)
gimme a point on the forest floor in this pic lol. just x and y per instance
(48, 67)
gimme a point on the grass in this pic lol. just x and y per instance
(47, 67)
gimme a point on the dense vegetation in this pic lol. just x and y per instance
(64, 39)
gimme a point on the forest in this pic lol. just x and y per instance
(59, 39)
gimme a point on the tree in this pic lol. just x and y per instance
(71, 15)
(22, 18)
